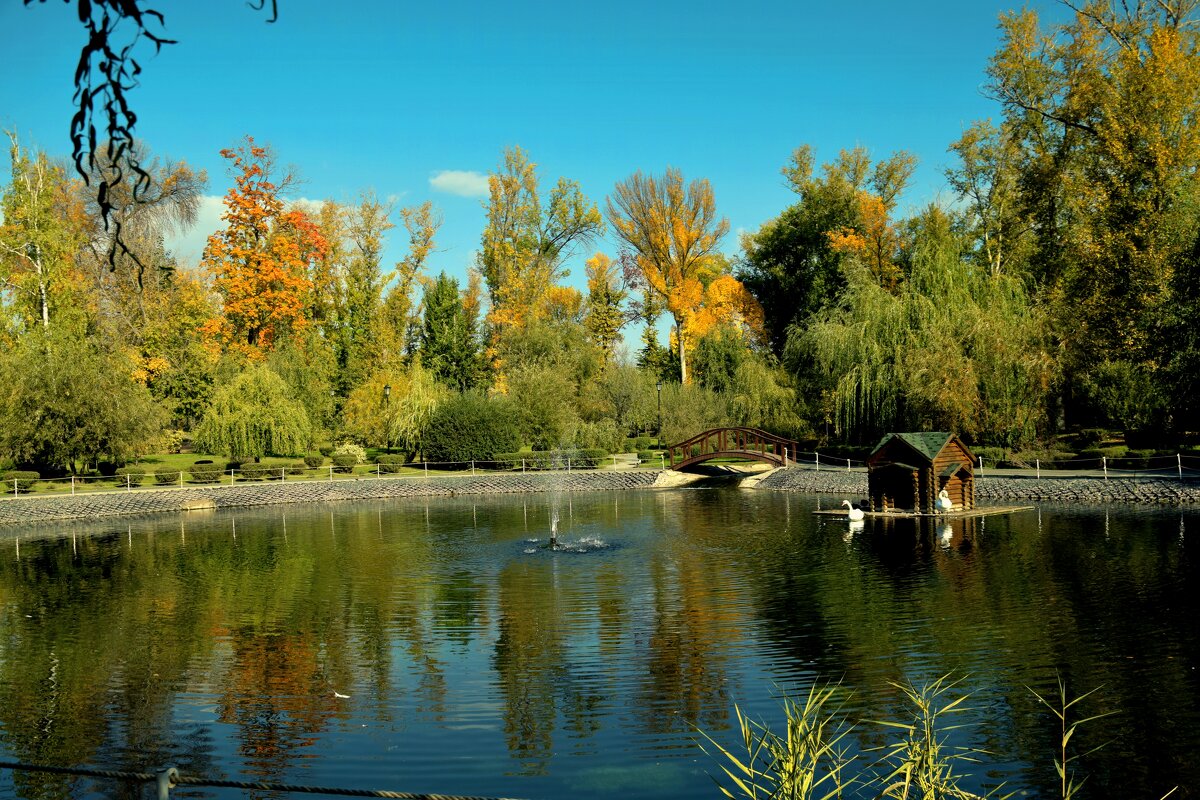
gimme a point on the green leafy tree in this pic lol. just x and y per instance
(450, 341)
(394, 407)
(791, 265)
(255, 415)
(361, 289)
(528, 238)
(604, 316)
(41, 238)
(955, 348)
(64, 402)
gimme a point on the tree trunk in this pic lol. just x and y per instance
(682, 351)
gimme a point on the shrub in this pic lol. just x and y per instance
(347, 449)
(298, 467)
(642, 443)
(471, 427)
(343, 462)
(24, 479)
(391, 463)
(1137, 459)
(166, 478)
(1089, 437)
(599, 435)
(206, 473)
(171, 439)
(1089, 454)
(131, 475)
(992, 456)
(649, 457)
(553, 459)
(314, 460)
(256, 472)
(325, 450)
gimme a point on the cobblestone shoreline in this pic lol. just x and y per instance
(26, 510)
(1075, 489)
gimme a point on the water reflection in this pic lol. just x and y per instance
(417, 646)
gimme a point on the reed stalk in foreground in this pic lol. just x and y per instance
(922, 764)
(807, 763)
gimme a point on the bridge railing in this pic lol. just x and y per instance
(733, 441)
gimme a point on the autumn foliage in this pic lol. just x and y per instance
(260, 261)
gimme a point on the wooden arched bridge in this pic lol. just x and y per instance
(732, 443)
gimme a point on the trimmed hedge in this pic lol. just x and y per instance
(131, 475)
(649, 457)
(166, 478)
(25, 479)
(344, 463)
(642, 443)
(314, 460)
(390, 463)
(257, 472)
(584, 458)
(206, 473)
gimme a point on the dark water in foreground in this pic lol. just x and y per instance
(475, 662)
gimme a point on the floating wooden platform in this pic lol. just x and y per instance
(985, 511)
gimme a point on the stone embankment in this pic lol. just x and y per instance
(33, 509)
(1000, 487)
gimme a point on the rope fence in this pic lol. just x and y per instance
(202, 475)
(170, 778)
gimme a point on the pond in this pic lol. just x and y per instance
(438, 645)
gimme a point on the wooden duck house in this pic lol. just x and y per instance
(907, 471)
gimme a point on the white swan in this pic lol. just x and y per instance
(943, 502)
(855, 514)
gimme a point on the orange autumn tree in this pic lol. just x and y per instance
(260, 261)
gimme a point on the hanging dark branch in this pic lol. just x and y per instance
(106, 71)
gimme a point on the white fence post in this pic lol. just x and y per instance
(128, 485)
(1179, 463)
(472, 466)
(847, 465)
(522, 466)
(180, 479)
(981, 466)
(785, 456)
(14, 487)
(426, 465)
(331, 473)
(818, 455)
(568, 463)
(232, 478)
(1104, 466)
(1038, 463)
(72, 484)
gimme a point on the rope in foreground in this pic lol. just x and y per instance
(171, 778)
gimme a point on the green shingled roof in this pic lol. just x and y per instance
(927, 444)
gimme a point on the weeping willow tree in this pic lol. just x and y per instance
(393, 407)
(952, 348)
(254, 415)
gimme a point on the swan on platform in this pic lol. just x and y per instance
(944, 502)
(855, 514)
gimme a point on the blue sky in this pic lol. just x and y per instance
(390, 95)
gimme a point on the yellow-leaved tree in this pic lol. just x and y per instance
(674, 231)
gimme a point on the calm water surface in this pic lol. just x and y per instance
(474, 661)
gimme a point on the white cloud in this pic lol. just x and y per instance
(464, 183)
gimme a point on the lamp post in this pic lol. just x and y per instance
(387, 402)
(658, 386)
